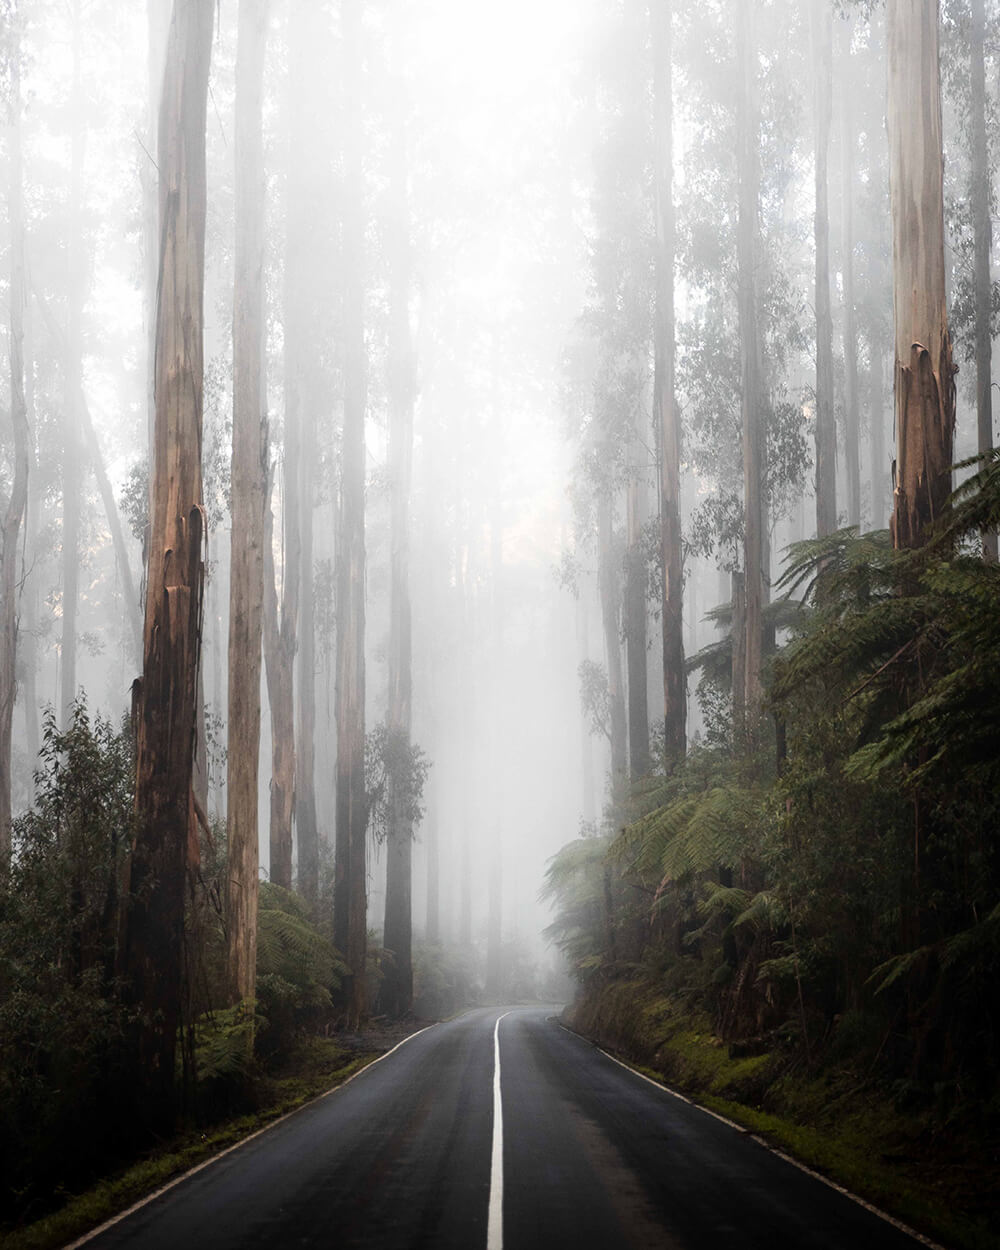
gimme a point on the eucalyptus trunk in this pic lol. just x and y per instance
(249, 480)
(72, 476)
(350, 884)
(983, 239)
(16, 503)
(825, 418)
(664, 390)
(751, 389)
(397, 987)
(924, 374)
(610, 592)
(852, 422)
(152, 952)
(635, 619)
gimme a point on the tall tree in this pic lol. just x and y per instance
(924, 374)
(248, 485)
(14, 509)
(350, 884)
(165, 697)
(852, 423)
(397, 987)
(826, 430)
(609, 586)
(72, 467)
(982, 226)
(665, 399)
(281, 611)
(751, 388)
(635, 609)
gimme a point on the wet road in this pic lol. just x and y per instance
(585, 1155)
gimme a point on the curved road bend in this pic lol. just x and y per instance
(594, 1158)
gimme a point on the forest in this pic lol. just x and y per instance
(499, 504)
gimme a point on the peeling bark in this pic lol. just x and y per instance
(924, 374)
(153, 941)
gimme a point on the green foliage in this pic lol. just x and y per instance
(297, 968)
(859, 873)
(395, 775)
(61, 1028)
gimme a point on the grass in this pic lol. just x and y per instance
(318, 1066)
(940, 1180)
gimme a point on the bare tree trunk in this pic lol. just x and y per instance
(72, 451)
(494, 932)
(983, 238)
(14, 511)
(747, 128)
(397, 988)
(852, 422)
(157, 25)
(877, 433)
(610, 591)
(924, 375)
(665, 399)
(280, 701)
(249, 485)
(152, 948)
(306, 825)
(350, 899)
(635, 619)
(826, 430)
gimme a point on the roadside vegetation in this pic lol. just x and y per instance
(803, 924)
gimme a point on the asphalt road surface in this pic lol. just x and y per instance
(585, 1155)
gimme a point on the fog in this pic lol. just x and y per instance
(530, 223)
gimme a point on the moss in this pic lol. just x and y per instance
(317, 1066)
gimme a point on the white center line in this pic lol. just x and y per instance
(494, 1233)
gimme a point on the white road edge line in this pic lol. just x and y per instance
(802, 1167)
(494, 1223)
(207, 1163)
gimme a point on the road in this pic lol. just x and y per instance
(589, 1156)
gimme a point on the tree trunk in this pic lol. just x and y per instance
(877, 433)
(397, 988)
(350, 898)
(852, 423)
(249, 480)
(635, 620)
(665, 400)
(16, 504)
(72, 450)
(157, 25)
(826, 430)
(747, 130)
(924, 376)
(494, 933)
(306, 827)
(610, 591)
(152, 948)
(983, 238)
(277, 637)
